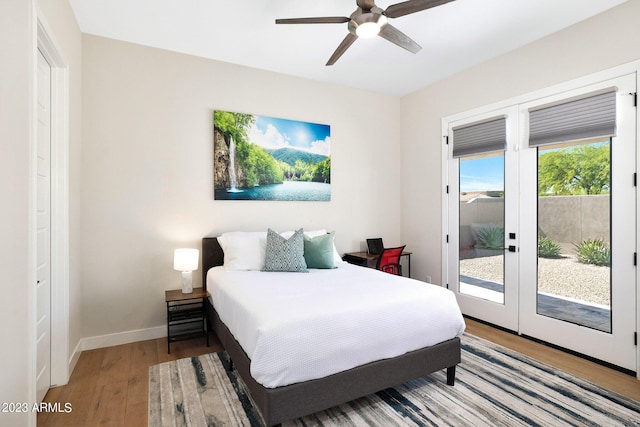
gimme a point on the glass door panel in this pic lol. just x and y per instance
(578, 236)
(482, 204)
(481, 227)
(574, 233)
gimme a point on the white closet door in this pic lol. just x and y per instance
(43, 285)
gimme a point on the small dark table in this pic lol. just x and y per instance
(186, 315)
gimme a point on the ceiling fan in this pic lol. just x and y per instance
(369, 20)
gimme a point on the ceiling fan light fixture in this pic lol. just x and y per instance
(368, 20)
(369, 24)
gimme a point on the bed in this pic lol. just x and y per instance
(284, 398)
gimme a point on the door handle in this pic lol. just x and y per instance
(510, 248)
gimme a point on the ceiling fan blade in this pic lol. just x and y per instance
(412, 6)
(391, 33)
(318, 20)
(365, 5)
(342, 48)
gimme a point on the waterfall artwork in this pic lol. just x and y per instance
(233, 183)
(265, 158)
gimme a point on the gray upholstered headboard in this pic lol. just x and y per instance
(212, 256)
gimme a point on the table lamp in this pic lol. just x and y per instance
(186, 260)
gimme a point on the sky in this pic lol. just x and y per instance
(482, 174)
(487, 173)
(273, 133)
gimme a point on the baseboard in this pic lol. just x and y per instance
(73, 360)
(100, 341)
(109, 340)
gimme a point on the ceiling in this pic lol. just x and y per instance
(454, 36)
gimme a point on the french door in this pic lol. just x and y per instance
(542, 219)
(483, 218)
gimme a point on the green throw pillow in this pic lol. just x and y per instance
(318, 251)
(285, 254)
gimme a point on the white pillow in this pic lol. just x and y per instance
(247, 250)
(244, 250)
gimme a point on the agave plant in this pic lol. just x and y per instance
(547, 248)
(490, 237)
(593, 251)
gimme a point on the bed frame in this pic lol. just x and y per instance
(296, 400)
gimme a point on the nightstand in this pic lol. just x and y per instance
(186, 315)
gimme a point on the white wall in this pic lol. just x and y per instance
(602, 42)
(147, 170)
(17, 380)
(17, 83)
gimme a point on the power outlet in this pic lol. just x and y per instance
(428, 279)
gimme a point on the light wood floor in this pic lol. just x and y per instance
(109, 386)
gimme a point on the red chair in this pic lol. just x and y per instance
(389, 260)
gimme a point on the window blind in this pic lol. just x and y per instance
(481, 137)
(588, 117)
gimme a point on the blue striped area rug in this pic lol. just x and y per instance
(494, 387)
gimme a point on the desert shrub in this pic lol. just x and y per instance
(490, 237)
(547, 248)
(593, 251)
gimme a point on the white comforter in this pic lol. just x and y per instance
(301, 326)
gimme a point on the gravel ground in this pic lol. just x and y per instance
(563, 276)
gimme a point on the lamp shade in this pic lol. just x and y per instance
(186, 259)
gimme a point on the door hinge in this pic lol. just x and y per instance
(446, 140)
(635, 258)
(635, 98)
(635, 179)
(447, 238)
(447, 190)
(635, 334)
